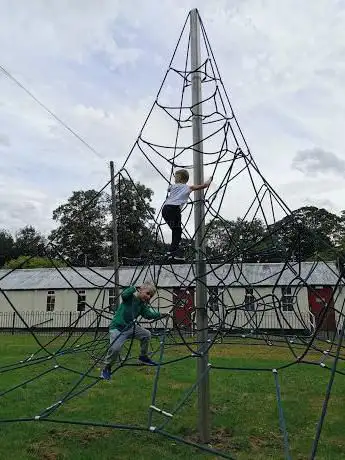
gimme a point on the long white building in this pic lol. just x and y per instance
(240, 296)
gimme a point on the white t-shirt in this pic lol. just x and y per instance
(178, 194)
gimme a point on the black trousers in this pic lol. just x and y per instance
(172, 216)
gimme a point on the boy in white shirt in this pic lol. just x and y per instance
(171, 211)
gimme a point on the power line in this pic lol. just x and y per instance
(29, 93)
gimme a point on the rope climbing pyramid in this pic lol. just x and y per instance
(234, 286)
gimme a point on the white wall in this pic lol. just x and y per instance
(65, 300)
(66, 308)
(31, 305)
(269, 312)
(21, 300)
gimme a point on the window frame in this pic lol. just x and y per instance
(213, 299)
(81, 300)
(111, 298)
(50, 301)
(287, 298)
(249, 299)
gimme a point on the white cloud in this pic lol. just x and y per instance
(62, 30)
(20, 206)
(321, 203)
(4, 140)
(99, 68)
(318, 161)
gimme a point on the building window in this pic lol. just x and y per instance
(112, 298)
(81, 301)
(287, 298)
(51, 301)
(213, 299)
(249, 300)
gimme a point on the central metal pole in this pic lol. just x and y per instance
(115, 239)
(200, 246)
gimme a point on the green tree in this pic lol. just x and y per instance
(136, 235)
(33, 262)
(309, 231)
(80, 236)
(236, 238)
(84, 234)
(7, 250)
(29, 242)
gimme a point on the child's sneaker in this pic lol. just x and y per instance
(146, 360)
(106, 373)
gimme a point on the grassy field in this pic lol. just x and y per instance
(244, 409)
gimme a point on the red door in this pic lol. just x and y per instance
(183, 300)
(319, 299)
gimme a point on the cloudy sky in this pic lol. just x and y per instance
(98, 66)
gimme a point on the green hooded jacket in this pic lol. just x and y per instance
(130, 308)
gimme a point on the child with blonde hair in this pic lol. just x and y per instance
(135, 302)
(171, 211)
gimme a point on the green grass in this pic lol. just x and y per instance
(244, 410)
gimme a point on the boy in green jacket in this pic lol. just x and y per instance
(134, 303)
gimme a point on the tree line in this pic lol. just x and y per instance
(83, 233)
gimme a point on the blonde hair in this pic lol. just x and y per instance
(149, 287)
(181, 176)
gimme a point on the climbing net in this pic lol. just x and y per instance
(259, 284)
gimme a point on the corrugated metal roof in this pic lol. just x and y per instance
(171, 275)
